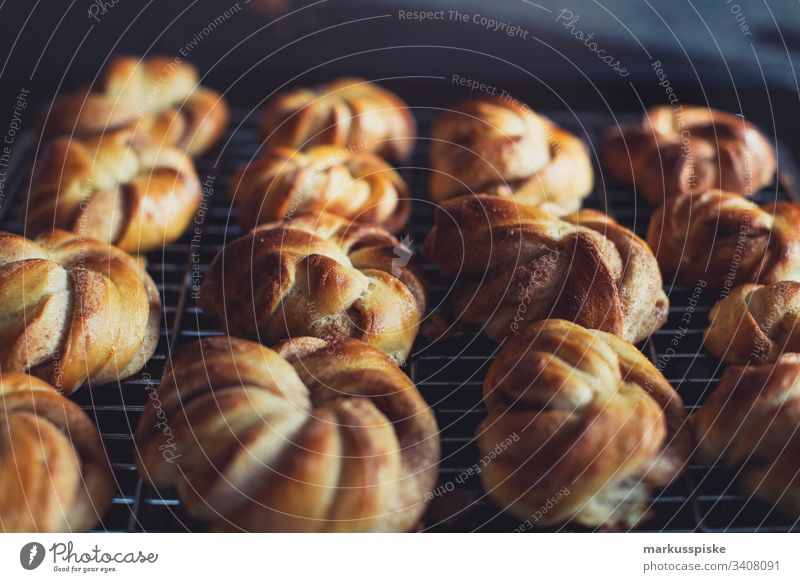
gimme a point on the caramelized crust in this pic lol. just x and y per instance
(750, 423)
(512, 264)
(726, 240)
(348, 113)
(755, 323)
(501, 147)
(131, 193)
(587, 415)
(321, 276)
(54, 474)
(312, 436)
(74, 311)
(689, 149)
(358, 186)
(156, 97)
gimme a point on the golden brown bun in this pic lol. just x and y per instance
(726, 240)
(750, 422)
(348, 113)
(74, 311)
(587, 415)
(54, 474)
(755, 323)
(131, 193)
(314, 436)
(321, 276)
(158, 97)
(501, 147)
(355, 185)
(689, 149)
(513, 263)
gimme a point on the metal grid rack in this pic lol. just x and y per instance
(449, 372)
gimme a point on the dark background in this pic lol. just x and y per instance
(51, 45)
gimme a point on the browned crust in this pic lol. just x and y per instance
(283, 183)
(115, 188)
(689, 149)
(157, 97)
(317, 275)
(725, 240)
(314, 435)
(514, 263)
(59, 478)
(750, 422)
(346, 113)
(501, 147)
(74, 311)
(583, 413)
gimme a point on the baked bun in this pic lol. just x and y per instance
(355, 185)
(689, 149)
(755, 323)
(321, 276)
(513, 263)
(348, 113)
(726, 240)
(501, 147)
(131, 193)
(586, 415)
(74, 310)
(312, 436)
(159, 97)
(750, 422)
(56, 477)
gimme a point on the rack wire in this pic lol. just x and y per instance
(448, 372)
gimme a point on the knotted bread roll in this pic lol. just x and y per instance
(513, 263)
(348, 113)
(158, 97)
(54, 474)
(689, 149)
(593, 419)
(312, 436)
(355, 185)
(726, 240)
(755, 323)
(321, 276)
(750, 422)
(74, 310)
(134, 194)
(501, 147)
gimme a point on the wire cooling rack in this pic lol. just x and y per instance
(449, 372)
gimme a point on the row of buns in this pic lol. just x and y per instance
(320, 435)
(279, 438)
(326, 149)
